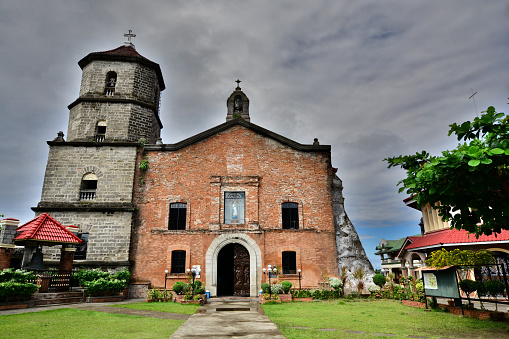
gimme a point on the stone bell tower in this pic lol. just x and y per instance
(90, 176)
(119, 97)
(237, 104)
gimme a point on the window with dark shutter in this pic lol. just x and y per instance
(178, 262)
(289, 263)
(177, 216)
(290, 212)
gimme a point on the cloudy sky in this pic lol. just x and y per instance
(371, 78)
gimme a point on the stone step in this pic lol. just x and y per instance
(59, 301)
(46, 296)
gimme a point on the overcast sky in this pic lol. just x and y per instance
(371, 78)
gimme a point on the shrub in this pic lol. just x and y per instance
(20, 276)
(379, 280)
(335, 283)
(188, 287)
(468, 286)
(16, 291)
(122, 275)
(178, 287)
(197, 297)
(84, 275)
(158, 295)
(265, 287)
(373, 288)
(286, 286)
(276, 288)
(494, 287)
(105, 287)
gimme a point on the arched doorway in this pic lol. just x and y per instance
(233, 271)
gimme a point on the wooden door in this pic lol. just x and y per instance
(241, 286)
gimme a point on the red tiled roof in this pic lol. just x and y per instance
(454, 236)
(123, 51)
(45, 228)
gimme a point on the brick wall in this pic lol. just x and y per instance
(235, 160)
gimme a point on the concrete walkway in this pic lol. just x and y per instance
(223, 318)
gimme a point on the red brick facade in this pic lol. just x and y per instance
(237, 157)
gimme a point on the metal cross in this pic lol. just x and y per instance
(238, 82)
(129, 35)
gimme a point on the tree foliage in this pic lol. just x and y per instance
(469, 185)
(442, 258)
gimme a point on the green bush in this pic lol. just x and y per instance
(122, 275)
(286, 286)
(105, 287)
(468, 286)
(158, 295)
(481, 288)
(16, 291)
(379, 279)
(325, 294)
(494, 287)
(178, 287)
(84, 275)
(265, 287)
(188, 287)
(20, 276)
(276, 288)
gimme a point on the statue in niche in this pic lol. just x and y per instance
(112, 82)
(238, 105)
(235, 207)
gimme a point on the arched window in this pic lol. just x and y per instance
(238, 104)
(88, 186)
(290, 213)
(100, 131)
(111, 81)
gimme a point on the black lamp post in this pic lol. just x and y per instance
(299, 271)
(165, 278)
(194, 272)
(270, 269)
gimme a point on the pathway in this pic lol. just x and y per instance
(224, 318)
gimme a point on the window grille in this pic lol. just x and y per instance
(88, 187)
(178, 261)
(111, 81)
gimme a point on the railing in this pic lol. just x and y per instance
(87, 194)
(99, 138)
(109, 91)
(54, 281)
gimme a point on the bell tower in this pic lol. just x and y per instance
(90, 177)
(119, 97)
(237, 104)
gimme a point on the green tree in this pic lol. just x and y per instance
(442, 258)
(469, 185)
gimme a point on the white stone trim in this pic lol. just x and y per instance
(255, 261)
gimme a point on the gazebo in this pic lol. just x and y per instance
(41, 231)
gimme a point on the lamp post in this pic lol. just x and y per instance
(165, 278)
(299, 271)
(270, 269)
(194, 272)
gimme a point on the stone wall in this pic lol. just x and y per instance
(113, 165)
(130, 114)
(109, 235)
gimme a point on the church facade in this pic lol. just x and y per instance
(227, 202)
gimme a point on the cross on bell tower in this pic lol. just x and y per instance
(129, 36)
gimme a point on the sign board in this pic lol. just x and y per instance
(441, 283)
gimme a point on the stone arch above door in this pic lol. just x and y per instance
(255, 261)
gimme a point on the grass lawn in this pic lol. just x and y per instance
(72, 323)
(162, 307)
(375, 316)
